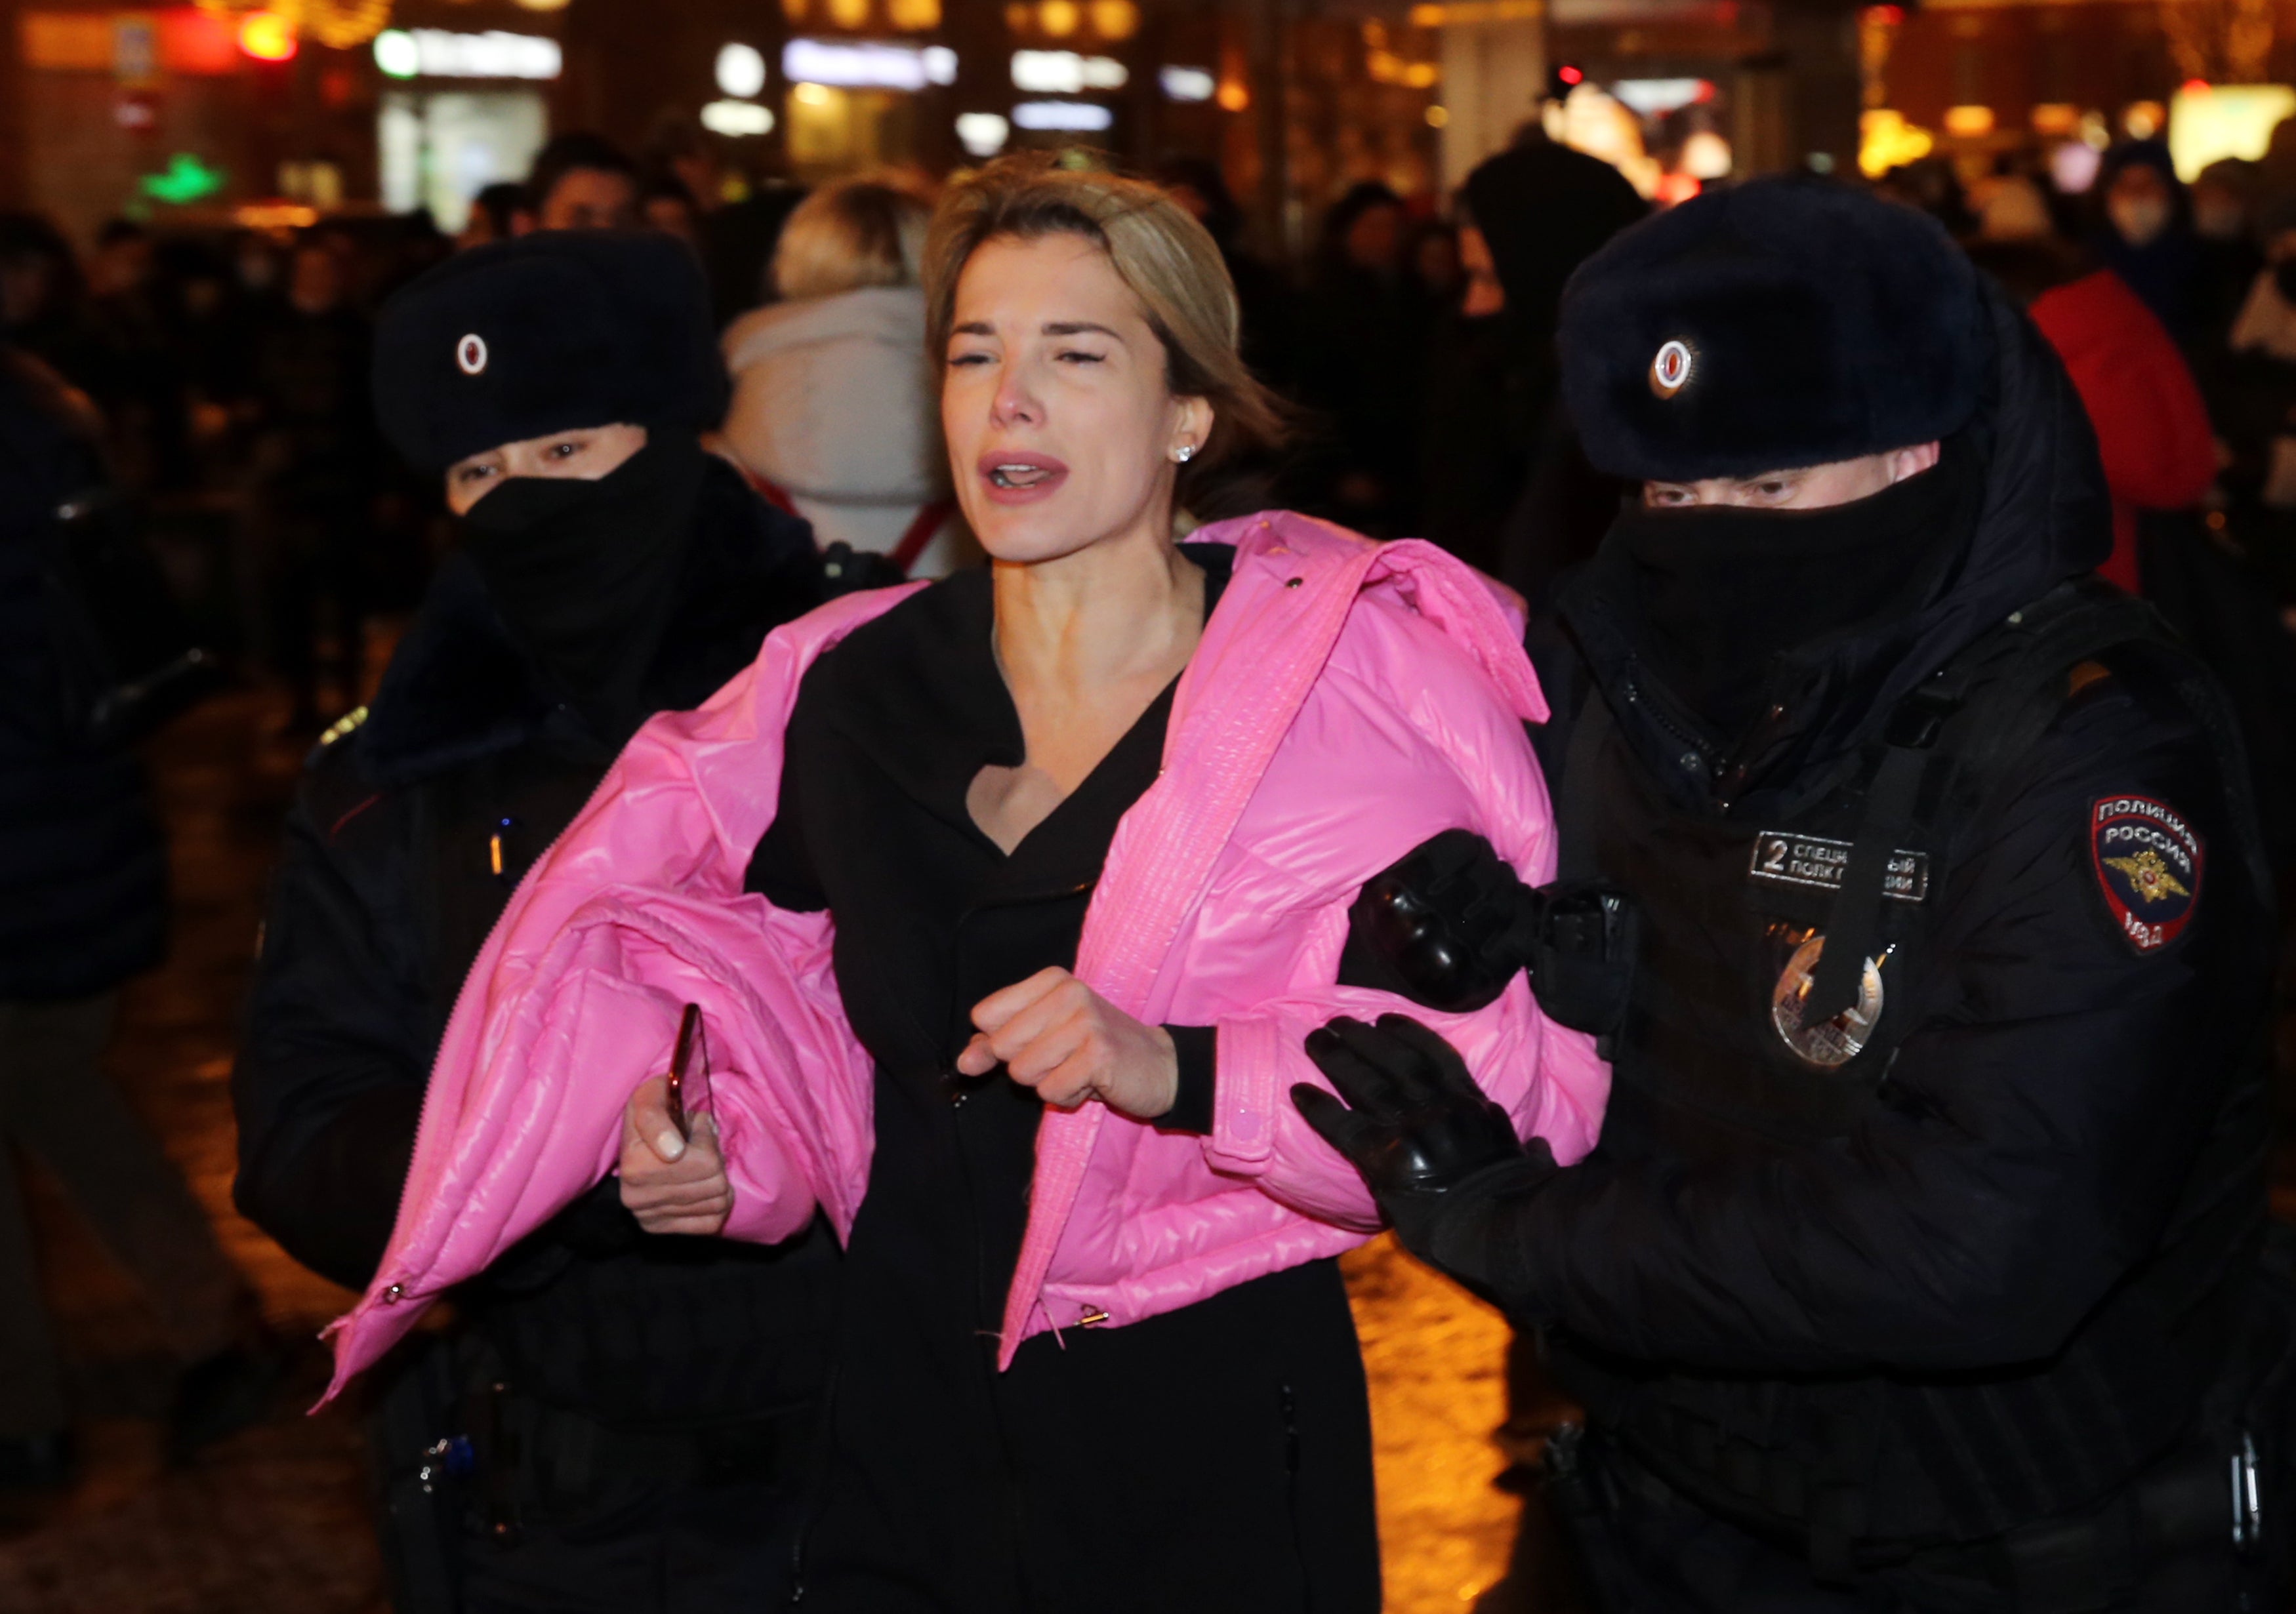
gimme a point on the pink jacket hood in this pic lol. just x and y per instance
(1347, 701)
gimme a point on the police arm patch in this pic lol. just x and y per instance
(2149, 861)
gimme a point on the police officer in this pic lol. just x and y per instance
(1919, 1263)
(616, 1424)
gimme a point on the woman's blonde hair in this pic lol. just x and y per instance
(856, 232)
(1156, 246)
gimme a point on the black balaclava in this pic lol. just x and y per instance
(586, 573)
(1718, 594)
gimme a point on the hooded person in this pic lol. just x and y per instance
(647, 1394)
(1542, 210)
(1917, 1265)
(2145, 234)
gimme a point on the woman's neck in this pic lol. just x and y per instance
(1128, 608)
(1085, 644)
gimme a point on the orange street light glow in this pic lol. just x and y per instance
(267, 36)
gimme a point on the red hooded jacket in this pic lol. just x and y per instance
(2151, 427)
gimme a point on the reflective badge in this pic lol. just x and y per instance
(1835, 1042)
(471, 354)
(1669, 372)
(2148, 864)
(1782, 858)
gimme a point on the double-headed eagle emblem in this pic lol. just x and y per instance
(2149, 877)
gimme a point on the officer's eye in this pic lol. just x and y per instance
(566, 450)
(958, 361)
(472, 473)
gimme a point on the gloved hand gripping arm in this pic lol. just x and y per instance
(1436, 1151)
(1448, 924)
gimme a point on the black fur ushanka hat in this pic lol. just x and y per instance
(546, 332)
(1785, 323)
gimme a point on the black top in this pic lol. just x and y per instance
(1068, 1480)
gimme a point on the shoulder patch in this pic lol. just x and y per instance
(2149, 861)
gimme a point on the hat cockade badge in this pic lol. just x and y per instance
(471, 354)
(1669, 372)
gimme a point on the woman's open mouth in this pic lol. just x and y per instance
(1017, 478)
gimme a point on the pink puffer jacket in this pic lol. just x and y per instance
(1348, 700)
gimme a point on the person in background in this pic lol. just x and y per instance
(637, 1449)
(43, 302)
(665, 204)
(496, 213)
(1931, 186)
(2252, 389)
(1363, 365)
(580, 181)
(832, 410)
(1475, 443)
(1434, 256)
(2152, 432)
(83, 909)
(1266, 298)
(2225, 198)
(737, 217)
(315, 472)
(1541, 209)
(143, 394)
(2012, 207)
(2144, 233)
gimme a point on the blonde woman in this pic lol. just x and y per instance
(1008, 903)
(833, 412)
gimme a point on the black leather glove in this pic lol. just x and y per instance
(1448, 924)
(1414, 1124)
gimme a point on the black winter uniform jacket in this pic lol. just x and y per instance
(408, 835)
(2041, 1131)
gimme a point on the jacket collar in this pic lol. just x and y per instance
(461, 687)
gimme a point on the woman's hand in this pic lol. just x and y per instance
(672, 1183)
(1058, 1036)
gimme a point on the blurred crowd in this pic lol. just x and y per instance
(2171, 306)
(1415, 341)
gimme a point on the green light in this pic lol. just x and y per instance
(396, 53)
(187, 179)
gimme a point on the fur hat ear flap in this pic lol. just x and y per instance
(1786, 323)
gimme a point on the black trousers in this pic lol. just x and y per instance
(1648, 1550)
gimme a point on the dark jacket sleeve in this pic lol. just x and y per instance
(2039, 1126)
(329, 1084)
